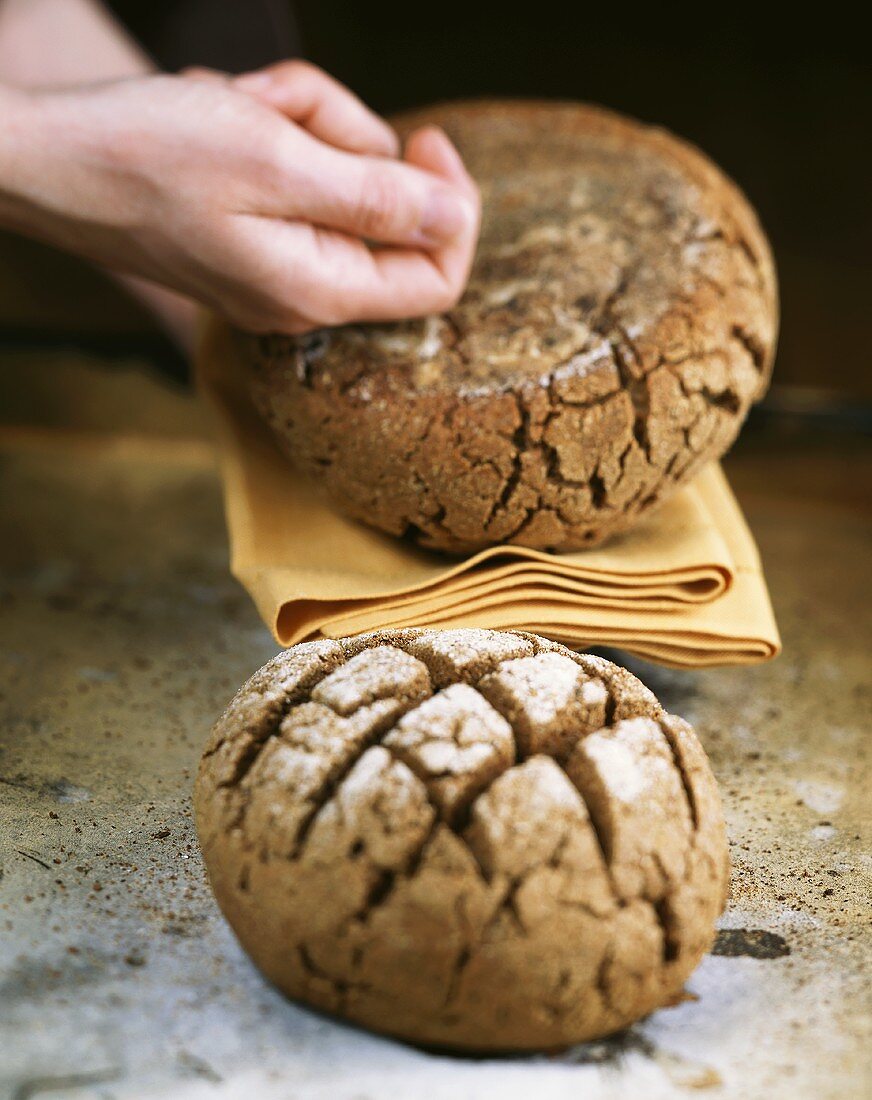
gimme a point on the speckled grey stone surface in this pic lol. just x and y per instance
(122, 637)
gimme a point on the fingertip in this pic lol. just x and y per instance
(447, 216)
(259, 82)
(200, 72)
(430, 147)
(426, 147)
(372, 136)
(390, 140)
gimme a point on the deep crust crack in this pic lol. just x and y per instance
(619, 322)
(469, 838)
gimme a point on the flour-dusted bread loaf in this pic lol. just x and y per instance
(619, 322)
(464, 838)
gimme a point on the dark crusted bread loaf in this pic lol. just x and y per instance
(469, 838)
(619, 322)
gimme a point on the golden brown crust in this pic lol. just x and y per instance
(463, 838)
(618, 324)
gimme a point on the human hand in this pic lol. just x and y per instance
(282, 206)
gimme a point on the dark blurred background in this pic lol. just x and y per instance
(781, 101)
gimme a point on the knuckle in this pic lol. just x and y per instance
(380, 206)
(271, 319)
(276, 304)
(298, 69)
(250, 319)
(328, 309)
(269, 173)
(328, 302)
(299, 326)
(255, 311)
(306, 300)
(289, 323)
(263, 309)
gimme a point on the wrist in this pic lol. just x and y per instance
(49, 188)
(20, 141)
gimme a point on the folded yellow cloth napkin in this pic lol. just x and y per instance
(684, 588)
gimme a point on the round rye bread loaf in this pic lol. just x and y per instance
(464, 838)
(620, 320)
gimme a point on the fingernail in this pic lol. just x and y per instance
(445, 215)
(254, 82)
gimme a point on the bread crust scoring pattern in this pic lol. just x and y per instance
(465, 838)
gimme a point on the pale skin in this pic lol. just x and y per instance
(275, 198)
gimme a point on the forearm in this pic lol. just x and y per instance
(17, 139)
(45, 147)
(57, 43)
(61, 170)
(223, 196)
(30, 145)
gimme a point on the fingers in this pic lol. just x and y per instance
(316, 276)
(403, 284)
(306, 277)
(315, 101)
(430, 149)
(323, 106)
(427, 202)
(374, 198)
(207, 76)
(312, 276)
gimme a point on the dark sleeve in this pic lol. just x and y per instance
(233, 35)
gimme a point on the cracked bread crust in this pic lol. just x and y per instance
(619, 321)
(465, 838)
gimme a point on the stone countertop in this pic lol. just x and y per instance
(122, 637)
